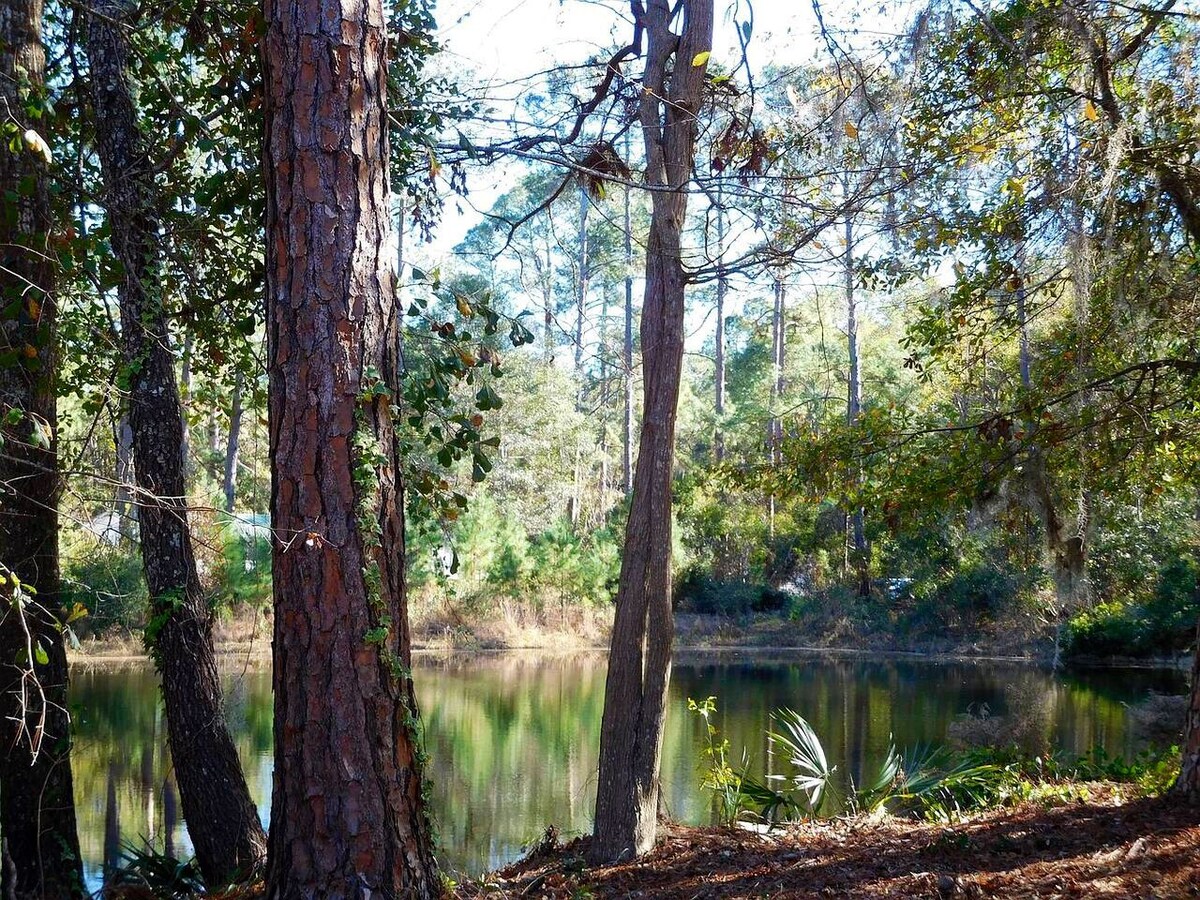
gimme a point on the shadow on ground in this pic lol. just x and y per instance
(1141, 849)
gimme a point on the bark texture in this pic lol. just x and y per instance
(348, 810)
(220, 815)
(1187, 785)
(627, 349)
(639, 665)
(37, 812)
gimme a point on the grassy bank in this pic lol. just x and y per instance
(513, 626)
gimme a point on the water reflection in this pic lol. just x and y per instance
(514, 737)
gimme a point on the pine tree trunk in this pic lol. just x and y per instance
(1187, 785)
(40, 852)
(348, 812)
(639, 665)
(627, 349)
(220, 815)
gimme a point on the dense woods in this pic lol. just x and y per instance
(871, 330)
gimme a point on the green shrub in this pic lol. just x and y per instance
(699, 593)
(1172, 611)
(1107, 629)
(575, 568)
(976, 593)
(108, 581)
(1164, 623)
(243, 574)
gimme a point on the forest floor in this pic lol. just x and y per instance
(1146, 848)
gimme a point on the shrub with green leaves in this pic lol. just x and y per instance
(1164, 622)
(107, 580)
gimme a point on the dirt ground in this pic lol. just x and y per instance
(1101, 848)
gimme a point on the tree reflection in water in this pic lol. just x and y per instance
(513, 737)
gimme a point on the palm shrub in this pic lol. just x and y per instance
(928, 782)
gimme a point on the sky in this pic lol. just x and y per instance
(491, 45)
(492, 48)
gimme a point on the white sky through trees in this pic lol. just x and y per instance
(499, 51)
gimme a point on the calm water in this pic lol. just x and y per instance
(514, 736)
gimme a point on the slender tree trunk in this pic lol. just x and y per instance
(573, 501)
(627, 348)
(639, 665)
(774, 424)
(547, 280)
(605, 397)
(348, 812)
(126, 511)
(719, 375)
(858, 536)
(778, 346)
(40, 851)
(231, 444)
(221, 818)
(582, 283)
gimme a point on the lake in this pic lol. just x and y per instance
(514, 736)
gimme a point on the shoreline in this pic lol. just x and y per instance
(102, 652)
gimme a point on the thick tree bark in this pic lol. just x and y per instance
(639, 665)
(627, 348)
(1187, 785)
(232, 443)
(40, 852)
(348, 812)
(220, 815)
